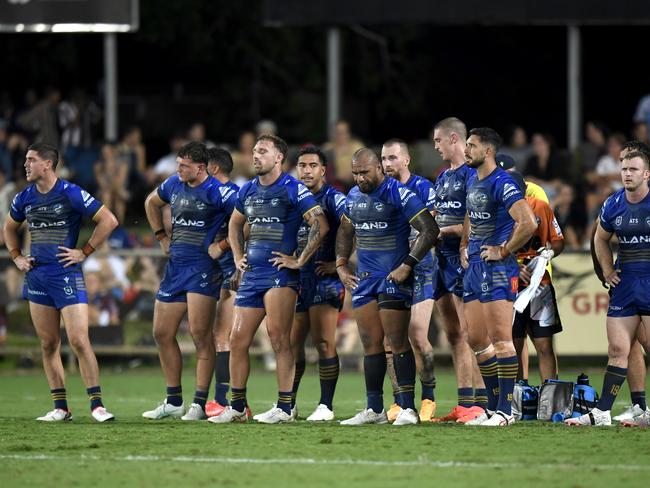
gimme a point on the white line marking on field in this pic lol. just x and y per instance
(422, 462)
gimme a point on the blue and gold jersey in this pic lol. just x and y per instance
(54, 218)
(631, 224)
(488, 202)
(274, 213)
(450, 204)
(226, 260)
(197, 215)
(381, 220)
(423, 189)
(333, 204)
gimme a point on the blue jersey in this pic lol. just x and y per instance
(488, 202)
(274, 213)
(54, 218)
(197, 215)
(450, 204)
(381, 220)
(333, 204)
(423, 189)
(631, 224)
(226, 260)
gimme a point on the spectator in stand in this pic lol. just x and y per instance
(78, 118)
(593, 148)
(196, 133)
(640, 132)
(103, 309)
(547, 166)
(166, 166)
(266, 126)
(42, 119)
(132, 152)
(563, 205)
(243, 159)
(340, 150)
(518, 147)
(111, 175)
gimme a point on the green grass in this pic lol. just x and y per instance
(135, 452)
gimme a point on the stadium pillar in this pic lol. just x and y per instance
(110, 86)
(574, 86)
(333, 78)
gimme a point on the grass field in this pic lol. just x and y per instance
(135, 452)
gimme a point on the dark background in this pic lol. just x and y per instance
(221, 63)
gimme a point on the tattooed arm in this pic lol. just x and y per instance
(318, 228)
(427, 234)
(344, 245)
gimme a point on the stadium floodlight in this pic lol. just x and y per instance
(41, 16)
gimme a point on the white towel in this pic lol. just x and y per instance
(538, 265)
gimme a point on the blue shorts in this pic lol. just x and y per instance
(180, 279)
(489, 281)
(448, 276)
(422, 284)
(630, 297)
(254, 285)
(55, 286)
(317, 290)
(370, 288)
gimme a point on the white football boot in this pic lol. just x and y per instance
(56, 415)
(164, 410)
(195, 412)
(321, 414)
(367, 416)
(595, 417)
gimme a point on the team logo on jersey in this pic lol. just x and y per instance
(174, 197)
(647, 221)
(478, 200)
(58, 208)
(619, 221)
(247, 201)
(200, 206)
(485, 287)
(67, 290)
(274, 202)
(28, 208)
(379, 207)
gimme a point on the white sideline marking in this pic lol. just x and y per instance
(422, 462)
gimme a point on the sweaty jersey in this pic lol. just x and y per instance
(197, 215)
(274, 213)
(333, 204)
(631, 224)
(381, 220)
(54, 218)
(488, 202)
(423, 189)
(226, 260)
(548, 230)
(450, 204)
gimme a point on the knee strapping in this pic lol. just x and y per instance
(489, 349)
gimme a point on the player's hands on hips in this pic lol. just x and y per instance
(24, 263)
(349, 280)
(164, 245)
(613, 278)
(215, 251)
(324, 268)
(464, 258)
(491, 253)
(285, 261)
(70, 256)
(242, 263)
(525, 274)
(400, 274)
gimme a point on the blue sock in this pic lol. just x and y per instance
(480, 398)
(507, 377)
(300, 370)
(284, 401)
(328, 371)
(59, 398)
(200, 397)
(175, 395)
(614, 378)
(222, 377)
(405, 372)
(638, 398)
(374, 370)
(428, 389)
(95, 396)
(238, 398)
(490, 373)
(465, 397)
